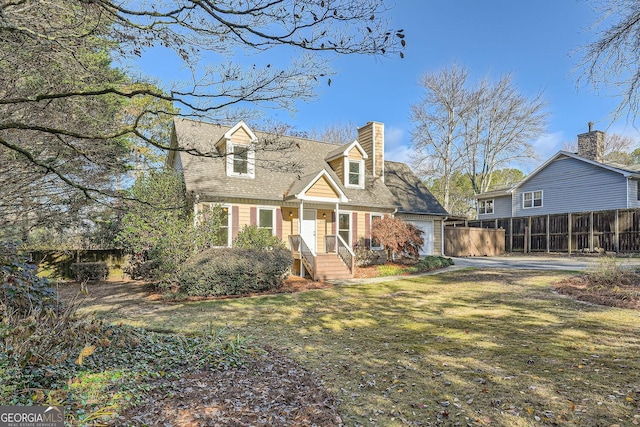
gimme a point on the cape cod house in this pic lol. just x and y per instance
(319, 198)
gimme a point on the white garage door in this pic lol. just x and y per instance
(428, 235)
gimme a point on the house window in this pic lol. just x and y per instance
(637, 190)
(485, 207)
(355, 178)
(375, 244)
(240, 160)
(344, 227)
(223, 231)
(532, 199)
(266, 219)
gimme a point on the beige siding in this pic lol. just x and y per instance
(437, 238)
(322, 188)
(289, 223)
(371, 138)
(365, 138)
(240, 136)
(355, 154)
(324, 229)
(379, 149)
(338, 166)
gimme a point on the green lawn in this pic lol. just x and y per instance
(461, 348)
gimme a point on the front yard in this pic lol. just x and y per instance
(460, 348)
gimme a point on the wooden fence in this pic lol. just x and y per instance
(467, 241)
(57, 264)
(597, 231)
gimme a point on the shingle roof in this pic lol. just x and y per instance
(274, 180)
(411, 194)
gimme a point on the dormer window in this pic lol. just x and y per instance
(355, 177)
(240, 160)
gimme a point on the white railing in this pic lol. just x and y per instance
(335, 243)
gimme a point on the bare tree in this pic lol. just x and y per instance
(336, 133)
(69, 121)
(473, 129)
(498, 129)
(438, 118)
(613, 59)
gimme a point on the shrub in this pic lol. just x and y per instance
(366, 257)
(21, 289)
(90, 271)
(431, 263)
(253, 237)
(233, 271)
(397, 236)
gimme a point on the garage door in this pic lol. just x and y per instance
(428, 235)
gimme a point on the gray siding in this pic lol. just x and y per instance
(633, 193)
(571, 185)
(501, 208)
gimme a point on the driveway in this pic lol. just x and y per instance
(539, 262)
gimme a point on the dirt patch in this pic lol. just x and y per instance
(622, 294)
(270, 390)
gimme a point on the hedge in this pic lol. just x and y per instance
(233, 271)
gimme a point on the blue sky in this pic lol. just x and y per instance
(532, 40)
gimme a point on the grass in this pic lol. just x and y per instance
(461, 348)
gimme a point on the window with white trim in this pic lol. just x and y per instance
(344, 227)
(225, 225)
(355, 170)
(485, 207)
(240, 160)
(532, 199)
(375, 244)
(266, 219)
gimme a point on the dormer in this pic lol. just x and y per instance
(348, 161)
(239, 147)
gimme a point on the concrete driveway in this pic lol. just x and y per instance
(539, 262)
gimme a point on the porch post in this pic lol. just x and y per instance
(337, 220)
(300, 217)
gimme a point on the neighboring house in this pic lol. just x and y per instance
(319, 198)
(567, 183)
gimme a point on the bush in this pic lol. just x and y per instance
(90, 271)
(233, 271)
(397, 236)
(366, 257)
(252, 237)
(21, 289)
(431, 263)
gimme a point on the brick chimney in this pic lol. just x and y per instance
(371, 138)
(591, 144)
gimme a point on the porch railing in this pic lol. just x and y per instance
(307, 257)
(335, 243)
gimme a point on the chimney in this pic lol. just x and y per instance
(371, 138)
(591, 144)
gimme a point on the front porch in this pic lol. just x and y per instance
(337, 261)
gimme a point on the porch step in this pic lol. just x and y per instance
(330, 266)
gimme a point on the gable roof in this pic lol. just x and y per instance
(626, 171)
(301, 186)
(411, 194)
(344, 150)
(274, 181)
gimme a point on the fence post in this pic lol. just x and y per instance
(591, 231)
(570, 230)
(510, 234)
(548, 234)
(617, 232)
